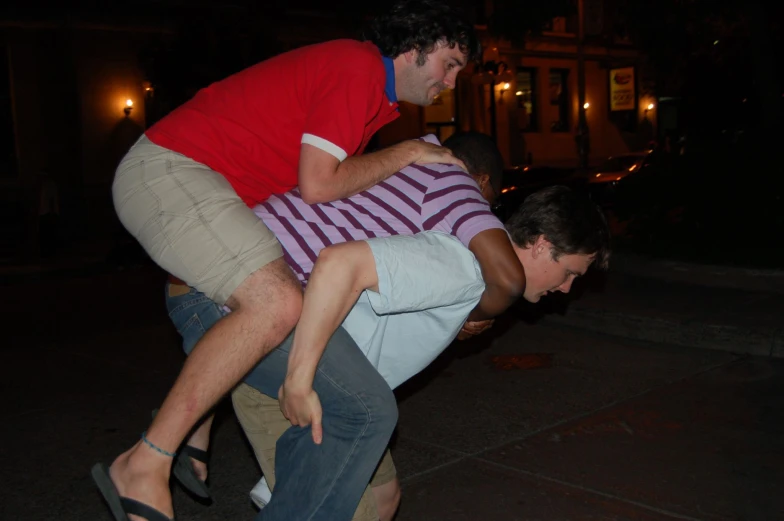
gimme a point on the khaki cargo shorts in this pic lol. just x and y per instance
(189, 220)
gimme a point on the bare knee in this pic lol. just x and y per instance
(271, 298)
(387, 498)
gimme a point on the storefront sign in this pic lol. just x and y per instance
(622, 91)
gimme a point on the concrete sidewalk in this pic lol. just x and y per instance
(733, 277)
(612, 430)
(731, 309)
(605, 428)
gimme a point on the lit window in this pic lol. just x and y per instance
(559, 100)
(526, 96)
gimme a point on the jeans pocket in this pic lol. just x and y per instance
(191, 332)
(193, 314)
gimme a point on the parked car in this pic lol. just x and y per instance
(615, 168)
(604, 183)
(639, 192)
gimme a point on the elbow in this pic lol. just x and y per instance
(320, 188)
(346, 266)
(335, 261)
(329, 257)
(315, 194)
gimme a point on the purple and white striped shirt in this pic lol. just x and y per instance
(418, 198)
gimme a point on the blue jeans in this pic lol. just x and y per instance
(314, 482)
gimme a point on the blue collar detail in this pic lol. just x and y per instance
(389, 88)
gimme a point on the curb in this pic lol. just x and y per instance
(757, 342)
(750, 279)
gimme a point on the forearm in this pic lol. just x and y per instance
(339, 276)
(358, 173)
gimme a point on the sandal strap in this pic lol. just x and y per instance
(197, 454)
(185, 473)
(137, 508)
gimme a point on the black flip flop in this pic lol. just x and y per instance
(122, 506)
(186, 475)
(183, 469)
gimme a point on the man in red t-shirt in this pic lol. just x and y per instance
(184, 190)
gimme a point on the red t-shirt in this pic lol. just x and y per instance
(249, 127)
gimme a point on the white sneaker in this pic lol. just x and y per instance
(261, 494)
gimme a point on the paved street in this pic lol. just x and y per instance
(605, 428)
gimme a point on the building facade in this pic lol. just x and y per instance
(77, 91)
(73, 102)
(527, 97)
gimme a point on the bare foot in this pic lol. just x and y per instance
(143, 474)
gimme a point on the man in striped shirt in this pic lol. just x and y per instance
(437, 198)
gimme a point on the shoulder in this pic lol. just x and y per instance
(351, 64)
(448, 176)
(441, 185)
(454, 174)
(350, 53)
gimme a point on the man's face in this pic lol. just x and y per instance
(545, 275)
(427, 75)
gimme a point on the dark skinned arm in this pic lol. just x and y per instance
(502, 272)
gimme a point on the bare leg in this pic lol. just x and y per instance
(266, 307)
(387, 499)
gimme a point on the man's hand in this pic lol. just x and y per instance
(301, 406)
(428, 153)
(474, 328)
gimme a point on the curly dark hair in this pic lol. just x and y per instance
(569, 220)
(420, 25)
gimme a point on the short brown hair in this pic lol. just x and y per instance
(569, 220)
